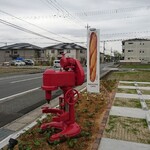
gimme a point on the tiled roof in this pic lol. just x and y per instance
(136, 39)
(68, 46)
(20, 46)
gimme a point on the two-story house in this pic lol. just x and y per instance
(24, 50)
(69, 49)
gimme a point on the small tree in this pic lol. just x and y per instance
(117, 56)
(52, 60)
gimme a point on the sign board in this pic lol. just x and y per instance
(93, 61)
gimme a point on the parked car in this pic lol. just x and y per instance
(29, 62)
(6, 64)
(18, 63)
(56, 64)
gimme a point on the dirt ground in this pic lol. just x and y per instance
(90, 110)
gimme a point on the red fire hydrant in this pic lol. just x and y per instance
(71, 74)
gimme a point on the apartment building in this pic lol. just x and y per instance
(136, 50)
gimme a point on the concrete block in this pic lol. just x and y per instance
(139, 92)
(136, 84)
(148, 117)
(144, 106)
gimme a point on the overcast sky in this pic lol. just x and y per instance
(65, 21)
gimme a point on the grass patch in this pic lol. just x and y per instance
(130, 91)
(128, 129)
(126, 84)
(141, 76)
(148, 103)
(142, 66)
(6, 71)
(145, 92)
(124, 102)
(144, 85)
(111, 124)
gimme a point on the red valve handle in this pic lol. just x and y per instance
(73, 95)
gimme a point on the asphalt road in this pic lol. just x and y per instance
(16, 84)
(21, 93)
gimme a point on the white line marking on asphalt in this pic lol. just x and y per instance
(25, 80)
(18, 76)
(18, 94)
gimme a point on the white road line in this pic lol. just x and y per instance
(25, 80)
(18, 76)
(18, 94)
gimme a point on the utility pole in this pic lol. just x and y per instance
(104, 50)
(87, 27)
(111, 54)
(104, 47)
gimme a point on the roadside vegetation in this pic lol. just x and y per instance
(141, 66)
(124, 102)
(11, 70)
(90, 110)
(141, 76)
(127, 128)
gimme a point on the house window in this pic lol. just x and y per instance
(143, 51)
(7, 51)
(68, 51)
(130, 50)
(143, 43)
(130, 43)
(52, 51)
(81, 51)
(61, 52)
(128, 58)
(15, 52)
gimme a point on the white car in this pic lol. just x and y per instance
(56, 64)
(29, 62)
(18, 63)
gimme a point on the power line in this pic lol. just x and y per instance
(68, 12)
(34, 25)
(59, 8)
(110, 11)
(125, 33)
(26, 30)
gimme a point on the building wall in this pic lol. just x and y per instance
(8, 55)
(137, 50)
(101, 57)
(4, 56)
(71, 53)
(26, 53)
(56, 54)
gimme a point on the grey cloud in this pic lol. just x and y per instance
(124, 22)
